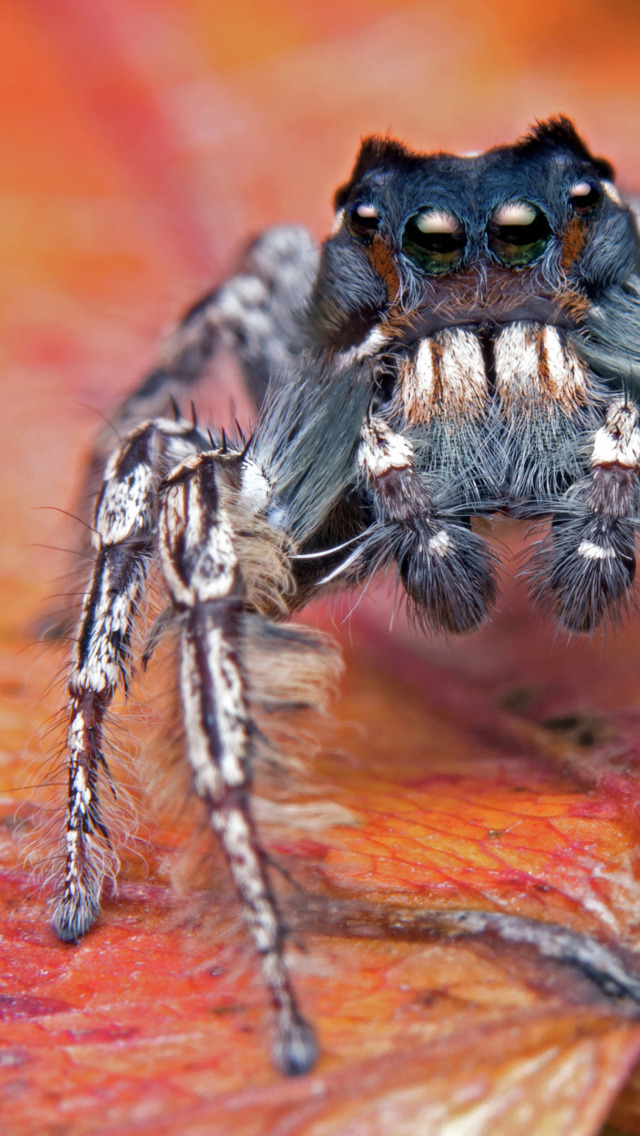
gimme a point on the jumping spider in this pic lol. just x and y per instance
(466, 342)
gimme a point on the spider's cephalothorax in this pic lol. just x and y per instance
(468, 341)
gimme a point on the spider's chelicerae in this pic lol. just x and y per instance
(467, 341)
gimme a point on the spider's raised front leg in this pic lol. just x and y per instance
(125, 522)
(585, 571)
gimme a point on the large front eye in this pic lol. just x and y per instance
(518, 233)
(363, 220)
(434, 240)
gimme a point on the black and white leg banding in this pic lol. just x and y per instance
(586, 572)
(201, 567)
(446, 569)
(124, 538)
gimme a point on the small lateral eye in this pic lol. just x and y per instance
(434, 240)
(518, 233)
(585, 196)
(363, 220)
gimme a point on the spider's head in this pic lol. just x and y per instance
(536, 230)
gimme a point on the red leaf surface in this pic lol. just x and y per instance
(141, 144)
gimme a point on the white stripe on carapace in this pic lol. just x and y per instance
(337, 223)
(612, 192)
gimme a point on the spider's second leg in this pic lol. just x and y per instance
(254, 315)
(201, 551)
(585, 572)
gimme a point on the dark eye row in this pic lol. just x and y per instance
(517, 233)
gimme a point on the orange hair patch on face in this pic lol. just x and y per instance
(575, 305)
(573, 242)
(382, 261)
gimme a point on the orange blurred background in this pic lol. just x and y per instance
(141, 143)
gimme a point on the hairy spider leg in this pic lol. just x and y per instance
(584, 572)
(253, 314)
(256, 315)
(446, 569)
(125, 522)
(210, 591)
(229, 522)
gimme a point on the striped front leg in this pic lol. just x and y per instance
(201, 567)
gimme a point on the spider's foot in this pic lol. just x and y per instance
(586, 574)
(447, 571)
(74, 915)
(296, 1050)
